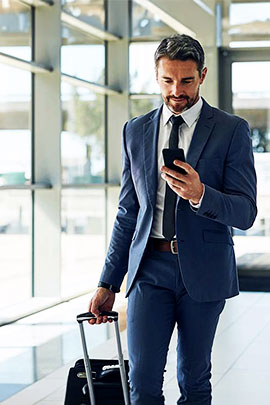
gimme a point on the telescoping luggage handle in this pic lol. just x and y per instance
(114, 316)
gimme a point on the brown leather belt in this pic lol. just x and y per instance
(163, 245)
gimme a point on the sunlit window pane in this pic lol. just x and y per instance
(143, 105)
(142, 75)
(15, 135)
(15, 29)
(147, 24)
(82, 141)
(89, 11)
(248, 24)
(244, 13)
(82, 56)
(252, 101)
(83, 239)
(15, 242)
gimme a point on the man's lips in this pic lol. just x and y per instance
(178, 99)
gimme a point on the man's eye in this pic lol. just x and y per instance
(167, 81)
(187, 81)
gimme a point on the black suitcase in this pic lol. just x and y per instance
(101, 382)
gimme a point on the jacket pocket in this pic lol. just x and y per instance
(217, 237)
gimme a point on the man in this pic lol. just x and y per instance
(180, 271)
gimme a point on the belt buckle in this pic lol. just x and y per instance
(172, 247)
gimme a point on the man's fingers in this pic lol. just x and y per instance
(102, 300)
(92, 321)
(96, 312)
(94, 308)
(172, 181)
(99, 320)
(173, 174)
(183, 165)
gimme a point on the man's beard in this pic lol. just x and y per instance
(179, 109)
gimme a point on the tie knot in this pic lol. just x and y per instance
(176, 120)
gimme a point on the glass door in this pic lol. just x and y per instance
(247, 79)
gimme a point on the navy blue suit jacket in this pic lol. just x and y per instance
(221, 152)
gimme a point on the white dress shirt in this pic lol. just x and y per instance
(186, 131)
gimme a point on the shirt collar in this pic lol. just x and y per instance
(189, 116)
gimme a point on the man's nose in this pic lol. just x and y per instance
(177, 89)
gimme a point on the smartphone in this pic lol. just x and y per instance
(169, 155)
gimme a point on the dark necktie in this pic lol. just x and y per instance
(170, 195)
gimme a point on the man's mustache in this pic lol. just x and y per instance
(178, 98)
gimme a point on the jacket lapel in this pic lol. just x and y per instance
(150, 144)
(201, 134)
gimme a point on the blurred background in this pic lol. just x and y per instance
(72, 72)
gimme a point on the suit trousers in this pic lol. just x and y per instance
(157, 302)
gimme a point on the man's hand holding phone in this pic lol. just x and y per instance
(181, 177)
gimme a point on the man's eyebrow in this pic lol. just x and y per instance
(183, 78)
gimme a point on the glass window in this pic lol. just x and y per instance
(244, 13)
(143, 105)
(18, 358)
(249, 44)
(15, 132)
(82, 141)
(15, 29)
(83, 239)
(48, 340)
(249, 24)
(82, 56)
(89, 11)
(147, 24)
(15, 252)
(142, 75)
(251, 100)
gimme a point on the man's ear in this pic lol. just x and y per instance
(203, 75)
(156, 72)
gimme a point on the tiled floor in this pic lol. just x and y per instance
(42, 347)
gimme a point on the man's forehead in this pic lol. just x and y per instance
(172, 67)
(165, 61)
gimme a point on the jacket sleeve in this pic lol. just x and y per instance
(235, 205)
(116, 262)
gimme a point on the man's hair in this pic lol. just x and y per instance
(181, 47)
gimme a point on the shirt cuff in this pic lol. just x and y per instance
(197, 206)
(109, 287)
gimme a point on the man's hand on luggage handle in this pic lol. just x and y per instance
(102, 300)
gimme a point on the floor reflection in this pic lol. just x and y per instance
(34, 347)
